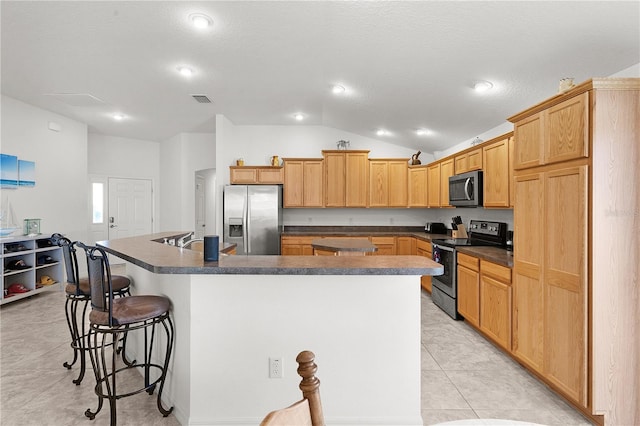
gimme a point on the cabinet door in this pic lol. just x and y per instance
(475, 160)
(496, 174)
(378, 183)
(528, 311)
(270, 175)
(246, 175)
(469, 295)
(405, 246)
(565, 277)
(495, 310)
(528, 149)
(417, 186)
(567, 130)
(293, 183)
(356, 179)
(386, 246)
(512, 185)
(461, 164)
(313, 183)
(433, 195)
(446, 171)
(334, 187)
(423, 248)
(398, 187)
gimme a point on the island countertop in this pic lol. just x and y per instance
(146, 252)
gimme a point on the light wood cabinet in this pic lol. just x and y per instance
(556, 134)
(495, 303)
(496, 174)
(405, 246)
(468, 161)
(423, 248)
(256, 175)
(386, 246)
(303, 182)
(565, 280)
(433, 180)
(446, 171)
(346, 178)
(528, 292)
(388, 182)
(296, 246)
(418, 186)
(512, 185)
(469, 288)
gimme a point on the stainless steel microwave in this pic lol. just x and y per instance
(465, 190)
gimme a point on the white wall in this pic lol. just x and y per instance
(180, 157)
(112, 156)
(59, 197)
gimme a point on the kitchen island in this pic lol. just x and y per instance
(357, 314)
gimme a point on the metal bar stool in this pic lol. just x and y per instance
(109, 318)
(78, 296)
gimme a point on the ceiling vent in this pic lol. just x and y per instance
(203, 99)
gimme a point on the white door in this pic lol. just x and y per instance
(130, 207)
(201, 209)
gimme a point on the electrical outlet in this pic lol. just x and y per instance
(275, 368)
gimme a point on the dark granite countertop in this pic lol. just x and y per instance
(161, 258)
(492, 254)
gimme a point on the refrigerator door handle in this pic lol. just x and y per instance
(247, 219)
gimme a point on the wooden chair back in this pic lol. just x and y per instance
(308, 411)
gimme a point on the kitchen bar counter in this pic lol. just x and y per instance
(233, 315)
(344, 247)
(146, 252)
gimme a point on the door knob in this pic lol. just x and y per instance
(113, 226)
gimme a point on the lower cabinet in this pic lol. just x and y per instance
(495, 303)
(296, 246)
(484, 297)
(469, 288)
(386, 246)
(423, 248)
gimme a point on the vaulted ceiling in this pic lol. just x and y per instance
(405, 65)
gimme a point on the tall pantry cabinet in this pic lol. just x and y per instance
(576, 265)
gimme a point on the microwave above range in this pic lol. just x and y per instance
(465, 190)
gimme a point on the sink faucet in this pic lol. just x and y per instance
(188, 243)
(183, 240)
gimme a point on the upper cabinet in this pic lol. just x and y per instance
(303, 178)
(417, 186)
(446, 171)
(346, 178)
(558, 133)
(388, 182)
(433, 180)
(268, 175)
(468, 161)
(497, 173)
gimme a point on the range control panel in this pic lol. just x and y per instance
(496, 229)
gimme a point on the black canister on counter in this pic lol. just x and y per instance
(211, 248)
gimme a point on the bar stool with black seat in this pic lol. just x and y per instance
(109, 318)
(78, 296)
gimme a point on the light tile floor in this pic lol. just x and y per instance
(463, 376)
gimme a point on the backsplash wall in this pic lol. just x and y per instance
(391, 217)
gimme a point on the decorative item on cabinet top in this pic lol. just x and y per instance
(343, 145)
(414, 159)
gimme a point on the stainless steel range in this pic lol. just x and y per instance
(444, 290)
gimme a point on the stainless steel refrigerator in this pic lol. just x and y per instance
(253, 218)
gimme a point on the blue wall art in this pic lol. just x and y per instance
(8, 171)
(26, 173)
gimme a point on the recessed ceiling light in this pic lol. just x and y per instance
(118, 117)
(423, 132)
(482, 86)
(298, 116)
(381, 132)
(200, 20)
(185, 71)
(337, 89)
